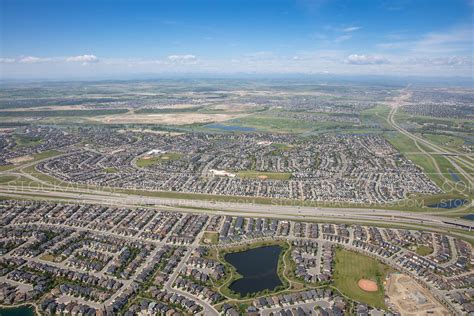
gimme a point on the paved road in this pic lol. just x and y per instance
(412, 219)
(291, 210)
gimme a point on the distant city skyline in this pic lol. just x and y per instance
(74, 39)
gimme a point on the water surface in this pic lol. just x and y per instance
(26, 310)
(454, 176)
(258, 268)
(449, 204)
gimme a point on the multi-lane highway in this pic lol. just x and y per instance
(360, 215)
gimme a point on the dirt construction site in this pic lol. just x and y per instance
(407, 297)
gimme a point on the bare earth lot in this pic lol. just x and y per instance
(410, 299)
(169, 119)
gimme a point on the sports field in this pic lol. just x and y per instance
(152, 160)
(264, 175)
(350, 267)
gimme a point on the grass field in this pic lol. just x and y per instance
(110, 170)
(350, 267)
(44, 177)
(448, 141)
(45, 154)
(411, 151)
(434, 122)
(268, 175)
(48, 257)
(25, 141)
(6, 178)
(286, 125)
(424, 250)
(408, 148)
(282, 147)
(376, 116)
(34, 158)
(144, 162)
(6, 167)
(210, 238)
(449, 171)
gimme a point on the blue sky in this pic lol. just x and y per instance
(74, 38)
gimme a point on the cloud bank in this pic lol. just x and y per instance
(83, 59)
(366, 60)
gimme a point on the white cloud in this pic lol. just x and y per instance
(31, 59)
(316, 61)
(452, 61)
(182, 59)
(83, 59)
(7, 60)
(366, 60)
(351, 29)
(458, 61)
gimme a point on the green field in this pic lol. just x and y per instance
(424, 250)
(448, 141)
(144, 162)
(7, 178)
(270, 175)
(48, 257)
(376, 117)
(110, 170)
(437, 167)
(408, 148)
(430, 123)
(6, 167)
(274, 124)
(210, 238)
(350, 267)
(45, 154)
(26, 141)
(282, 147)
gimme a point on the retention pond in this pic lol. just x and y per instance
(258, 268)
